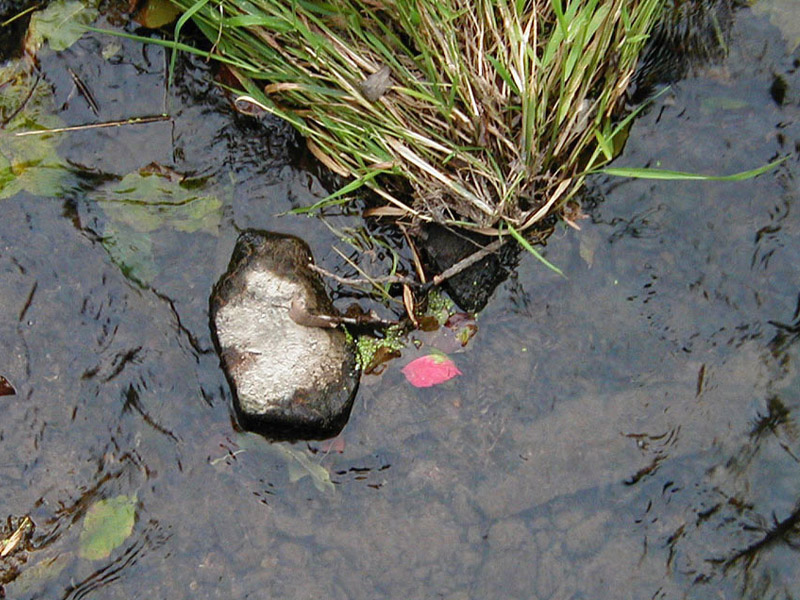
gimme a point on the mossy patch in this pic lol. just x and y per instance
(371, 351)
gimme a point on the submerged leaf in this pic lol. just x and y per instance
(142, 202)
(61, 24)
(131, 251)
(587, 248)
(28, 163)
(148, 200)
(300, 466)
(107, 524)
(430, 370)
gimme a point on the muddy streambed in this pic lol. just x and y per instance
(630, 431)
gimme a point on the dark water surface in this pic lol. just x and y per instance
(628, 432)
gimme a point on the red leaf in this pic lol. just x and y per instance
(6, 389)
(429, 370)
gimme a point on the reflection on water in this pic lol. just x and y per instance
(629, 432)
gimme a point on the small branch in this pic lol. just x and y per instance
(454, 270)
(414, 254)
(467, 262)
(24, 102)
(362, 281)
(298, 312)
(134, 121)
(84, 91)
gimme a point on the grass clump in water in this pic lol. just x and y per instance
(492, 110)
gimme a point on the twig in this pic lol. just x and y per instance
(414, 254)
(24, 102)
(467, 262)
(134, 121)
(360, 280)
(298, 312)
(454, 270)
(84, 91)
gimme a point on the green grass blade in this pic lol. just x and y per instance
(175, 46)
(526, 244)
(667, 175)
(178, 26)
(339, 196)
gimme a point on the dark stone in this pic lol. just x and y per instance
(472, 288)
(289, 381)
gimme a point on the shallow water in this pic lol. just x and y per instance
(630, 431)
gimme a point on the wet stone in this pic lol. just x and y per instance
(471, 288)
(289, 380)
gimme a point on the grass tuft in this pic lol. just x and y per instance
(493, 110)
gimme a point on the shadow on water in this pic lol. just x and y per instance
(628, 432)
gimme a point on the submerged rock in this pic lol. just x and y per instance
(290, 379)
(472, 288)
